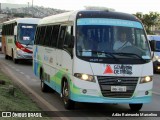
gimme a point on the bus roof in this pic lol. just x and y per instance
(57, 18)
(71, 16)
(23, 20)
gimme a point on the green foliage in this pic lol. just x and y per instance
(21, 15)
(17, 102)
(14, 103)
(149, 20)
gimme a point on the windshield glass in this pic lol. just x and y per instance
(158, 45)
(26, 33)
(109, 38)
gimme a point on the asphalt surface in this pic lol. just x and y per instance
(22, 74)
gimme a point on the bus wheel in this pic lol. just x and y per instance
(68, 104)
(14, 59)
(135, 107)
(44, 87)
(6, 57)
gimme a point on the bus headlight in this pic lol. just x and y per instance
(85, 77)
(156, 56)
(19, 51)
(146, 79)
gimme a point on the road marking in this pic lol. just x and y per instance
(27, 76)
(13, 67)
(38, 97)
(17, 70)
(34, 79)
(156, 93)
(22, 73)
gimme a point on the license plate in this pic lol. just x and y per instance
(118, 89)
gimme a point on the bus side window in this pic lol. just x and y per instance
(36, 36)
(50, 36)
(42, 35)
(61, 37)
(68, 37)
(54, 35)
(47, 35)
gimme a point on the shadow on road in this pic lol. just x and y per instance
(22, 62)
(25, 62)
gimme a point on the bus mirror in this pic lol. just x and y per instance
(152, 45)
(15, 30)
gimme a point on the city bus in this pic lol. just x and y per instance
(17, 38)
(74, 55)
(156, 53)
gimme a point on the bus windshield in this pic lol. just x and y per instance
(158, 45)
(26, 33)
(106, 38)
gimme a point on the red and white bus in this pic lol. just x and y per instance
(18, 38)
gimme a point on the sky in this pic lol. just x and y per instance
(127, 6)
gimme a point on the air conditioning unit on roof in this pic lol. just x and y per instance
(98, 8)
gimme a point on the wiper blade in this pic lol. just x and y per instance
(130, 54)
(106, 53)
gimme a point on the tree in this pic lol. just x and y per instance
(149, 20)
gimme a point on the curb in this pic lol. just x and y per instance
(39, 100)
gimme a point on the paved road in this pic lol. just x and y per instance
(51, 101)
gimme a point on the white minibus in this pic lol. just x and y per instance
(94, 56)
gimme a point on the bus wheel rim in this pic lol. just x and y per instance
(65, 93)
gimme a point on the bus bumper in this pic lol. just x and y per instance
(24, 56)
(93, 99)
(93, 94)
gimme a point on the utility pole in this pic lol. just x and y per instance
(0, 8)
(32, 8)
(32, 3)
(28, 7)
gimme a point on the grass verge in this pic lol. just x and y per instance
(13, 99)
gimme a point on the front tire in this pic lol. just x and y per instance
(135, 107)
(14, 59)
(68, 104)
(6, 57)
(44, 87)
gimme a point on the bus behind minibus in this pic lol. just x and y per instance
(18, 38)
